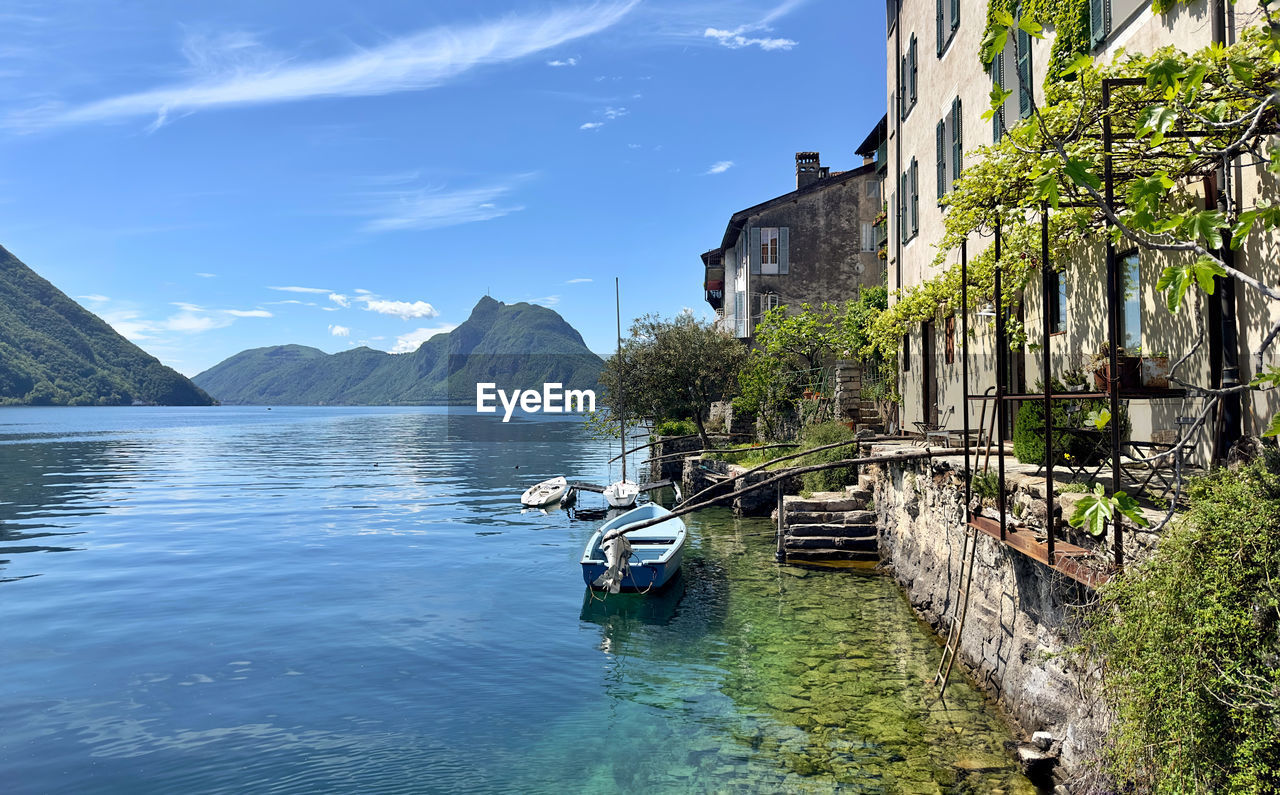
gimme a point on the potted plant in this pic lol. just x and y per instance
(1129, 367)
(1155, 371)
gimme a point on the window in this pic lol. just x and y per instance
(873, 190)
(948, 21)
(868, 236)
(950, 149)
(1057, 302)
(1106, 15)
(950, 329)
(769, 301)
(1130, 304)
(769, 249)
(1011, 70)
(907, 80)
(906, 353)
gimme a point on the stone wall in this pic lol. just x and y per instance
(1022, 617)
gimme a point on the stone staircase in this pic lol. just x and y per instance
(830, 526)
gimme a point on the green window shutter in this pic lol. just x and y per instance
(955, 14)
(902, 88)
(1025, 86)
(915, 197)
(940, 28)
(957, 140)
(942, 160)
(753, 253)
(913, 69)
(784, 258)
(1098, 21)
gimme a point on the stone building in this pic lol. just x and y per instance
(817, 243)
(935, 105)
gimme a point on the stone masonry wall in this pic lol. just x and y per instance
(1021, 619)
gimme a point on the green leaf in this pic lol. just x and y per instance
(1267, 379)
(998, 96)
(1176, 279)
(1206, 225)
(1274, 428)
(1241, 69)
(1129, 507)
(1079, 62)
(1146, 193)
(1030, 27)
(1078, 171)
(1165, 73)
(1244, 225)
(1093, 511)
(1002, 18)
(1047, 189)
(993, 43)
(1156, 120)
(1098, 418)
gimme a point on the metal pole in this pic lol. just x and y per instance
(1046, 373)
(1001, 349)
(964, 371)
(1113, 323)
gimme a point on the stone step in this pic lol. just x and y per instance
(832, 530)
(839, 504)
(857, 493)
(830, 543)
(830, 517)
(803, 555)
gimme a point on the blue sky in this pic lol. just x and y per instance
(219, 176)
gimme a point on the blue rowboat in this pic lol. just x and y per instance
(653, 555)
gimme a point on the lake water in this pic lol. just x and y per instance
(351, 600)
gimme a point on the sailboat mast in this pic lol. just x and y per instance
(622, 418)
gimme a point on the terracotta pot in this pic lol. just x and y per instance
(1130, 372)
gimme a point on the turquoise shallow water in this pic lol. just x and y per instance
(351, 600)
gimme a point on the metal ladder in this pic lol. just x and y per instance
(960, 609)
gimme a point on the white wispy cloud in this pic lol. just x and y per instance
(316, 290)
(565, 62)
(339, 331)
(340, 299)
(579, 280)
(238, 70)
(547, 300)
(207, 275)
(408, 343)
(248, 313)
(591, 125)
(615, 113)
(97, 299)
(430, 207)
(401, 309)
(719, 167)
(737, 38)
(291, 301)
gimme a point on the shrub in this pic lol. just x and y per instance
(827, 479)
(986, 484)
(1028, 431)
(1189, 643)
(675, 428)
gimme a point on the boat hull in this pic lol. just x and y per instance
(544, 493)
(642, 576)
(656, 552)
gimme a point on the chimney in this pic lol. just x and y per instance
(808, 168)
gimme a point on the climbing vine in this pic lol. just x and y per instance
(1070, 18)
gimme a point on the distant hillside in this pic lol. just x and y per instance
(55, 352)
(515, 346)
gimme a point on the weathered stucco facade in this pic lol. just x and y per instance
(824, 251)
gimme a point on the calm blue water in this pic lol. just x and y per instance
(351, 600)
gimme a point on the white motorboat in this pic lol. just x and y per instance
(544, 493)
(621, 493)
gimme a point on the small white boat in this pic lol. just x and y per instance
(621, 494)
(544, 493)
(637, 561)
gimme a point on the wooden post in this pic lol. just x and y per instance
(781, 554)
